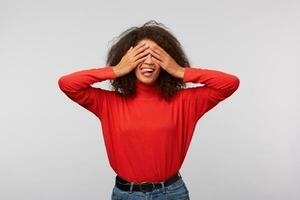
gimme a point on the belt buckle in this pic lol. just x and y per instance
(140, 184)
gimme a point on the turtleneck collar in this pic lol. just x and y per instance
(146, 91)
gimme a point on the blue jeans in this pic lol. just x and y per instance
(175, 191)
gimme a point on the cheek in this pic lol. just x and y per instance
(136, 70)
(158, 71)
(156, 65)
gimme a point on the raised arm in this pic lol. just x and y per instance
(217, 87)
(77, 86)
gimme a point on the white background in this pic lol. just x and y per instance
(245, 148)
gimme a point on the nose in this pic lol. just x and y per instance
(149, 59)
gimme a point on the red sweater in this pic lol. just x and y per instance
(146, 138)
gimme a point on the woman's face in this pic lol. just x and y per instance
(140, 71)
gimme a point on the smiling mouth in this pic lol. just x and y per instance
(147, 71)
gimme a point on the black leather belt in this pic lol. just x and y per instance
(144, 186)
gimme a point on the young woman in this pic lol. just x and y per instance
(148, 119)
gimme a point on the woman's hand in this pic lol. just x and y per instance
(131, 59)
(162, 58)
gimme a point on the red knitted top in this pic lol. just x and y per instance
(146, 137)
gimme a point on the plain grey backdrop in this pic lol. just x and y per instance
(245, 148)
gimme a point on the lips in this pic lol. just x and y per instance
(147, 71)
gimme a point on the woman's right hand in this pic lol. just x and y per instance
(131, 59)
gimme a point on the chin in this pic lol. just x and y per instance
(145, 80)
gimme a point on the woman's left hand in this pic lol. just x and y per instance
(162, 58)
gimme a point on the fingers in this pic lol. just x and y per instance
(140, 49)
(138, 46)
(132, 48)
(155, 54)
(158, 50)
(129, 49)
(139, 53)
(143, 53)
(140, 60)
(157, 61)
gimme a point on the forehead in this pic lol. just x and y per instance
(147, 41)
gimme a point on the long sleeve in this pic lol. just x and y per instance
(77, 86)
(217, 87)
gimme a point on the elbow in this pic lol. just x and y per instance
(62, 83)
(235, 83)
(232, 86)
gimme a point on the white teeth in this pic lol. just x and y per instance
(147, 69)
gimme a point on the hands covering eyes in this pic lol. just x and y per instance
(139, 53)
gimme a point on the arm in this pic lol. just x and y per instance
(77, 86)
(217, 87)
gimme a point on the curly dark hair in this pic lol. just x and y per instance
(157, 32)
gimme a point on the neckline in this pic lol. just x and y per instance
(147, 91)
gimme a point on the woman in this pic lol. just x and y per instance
(148, 119)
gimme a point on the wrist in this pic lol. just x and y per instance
(116, 70)
(180, 72)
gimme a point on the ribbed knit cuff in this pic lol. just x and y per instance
(190, 74)
(108, 72)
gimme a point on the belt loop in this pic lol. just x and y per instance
(163, 186)
(131, 186)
